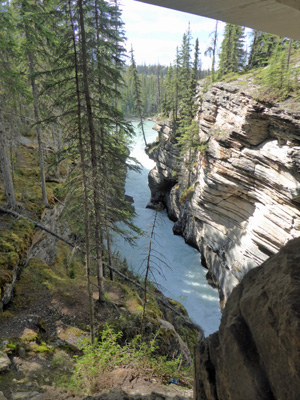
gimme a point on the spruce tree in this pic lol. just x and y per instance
(212, 49)
(232, 52)
(33, 25)
(137, 94)
(9, 83)
(262, 48)
(188, 130)
(277, 78)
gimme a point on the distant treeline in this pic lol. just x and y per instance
(163, 89)
(155, 89)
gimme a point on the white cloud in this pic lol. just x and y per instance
(155, 32)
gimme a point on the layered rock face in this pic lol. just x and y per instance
(255, 353)
(243, 200)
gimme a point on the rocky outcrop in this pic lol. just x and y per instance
(243, 201)
(255, 353)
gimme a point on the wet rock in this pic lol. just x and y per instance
(155, 206)
(130, 199)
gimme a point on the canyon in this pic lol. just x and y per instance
(236, 195)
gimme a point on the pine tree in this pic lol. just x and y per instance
(184, 64)
(277, 78)
(137, 94)
(9, 84)
(84, 183)
(32, 24)
(188, 130)
(212, 49)
(262, 49)
(232, 52)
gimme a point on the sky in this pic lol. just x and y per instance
(155, 32)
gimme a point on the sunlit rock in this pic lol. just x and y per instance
(243, 202)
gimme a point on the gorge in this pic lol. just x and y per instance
(236, 199)
(179, 274)
(242, 204)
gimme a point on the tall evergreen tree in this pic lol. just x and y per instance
(9, 83)
(188, 126)
(262, 48)
(33, 25)
(137, 94)
(232, 52)
(212, 49)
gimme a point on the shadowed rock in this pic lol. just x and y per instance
(255, 353)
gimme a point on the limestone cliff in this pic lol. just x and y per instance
(237, 199)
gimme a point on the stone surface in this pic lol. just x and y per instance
(2, 397)
(245, 203)
(145, 393)
(4, 362)
(255, 353)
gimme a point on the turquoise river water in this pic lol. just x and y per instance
(183, 278)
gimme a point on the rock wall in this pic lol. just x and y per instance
(243, 201)
(255, 353)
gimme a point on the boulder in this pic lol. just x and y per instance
(4, 363)
(255, 353)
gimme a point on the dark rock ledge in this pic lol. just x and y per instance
(255, 353)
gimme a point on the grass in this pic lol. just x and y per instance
(187, 194)
(14, 244)
(107, 355)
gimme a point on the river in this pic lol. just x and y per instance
(183, 278)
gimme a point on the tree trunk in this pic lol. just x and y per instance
(38, 130)
(94, 162)
(6, 171)
(214, 52)
(148, 269)
(84, 184)
(289, 54)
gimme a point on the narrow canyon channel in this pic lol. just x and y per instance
(183, 278)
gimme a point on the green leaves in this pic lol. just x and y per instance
(107, 355)
(232, 57)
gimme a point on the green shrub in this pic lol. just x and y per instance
(187, 194)
(107, 355)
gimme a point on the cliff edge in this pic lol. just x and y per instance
(236, 197)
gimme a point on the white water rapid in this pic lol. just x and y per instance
(184, 280)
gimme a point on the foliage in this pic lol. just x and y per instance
(13, 246)
(278, 79)
(152, 81)
(232, 57)
(137, 94)
(212, 50)
(107, 354)
(187, 194)
(262, 48)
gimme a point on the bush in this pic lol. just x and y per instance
(107, 355)
(187, 194)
